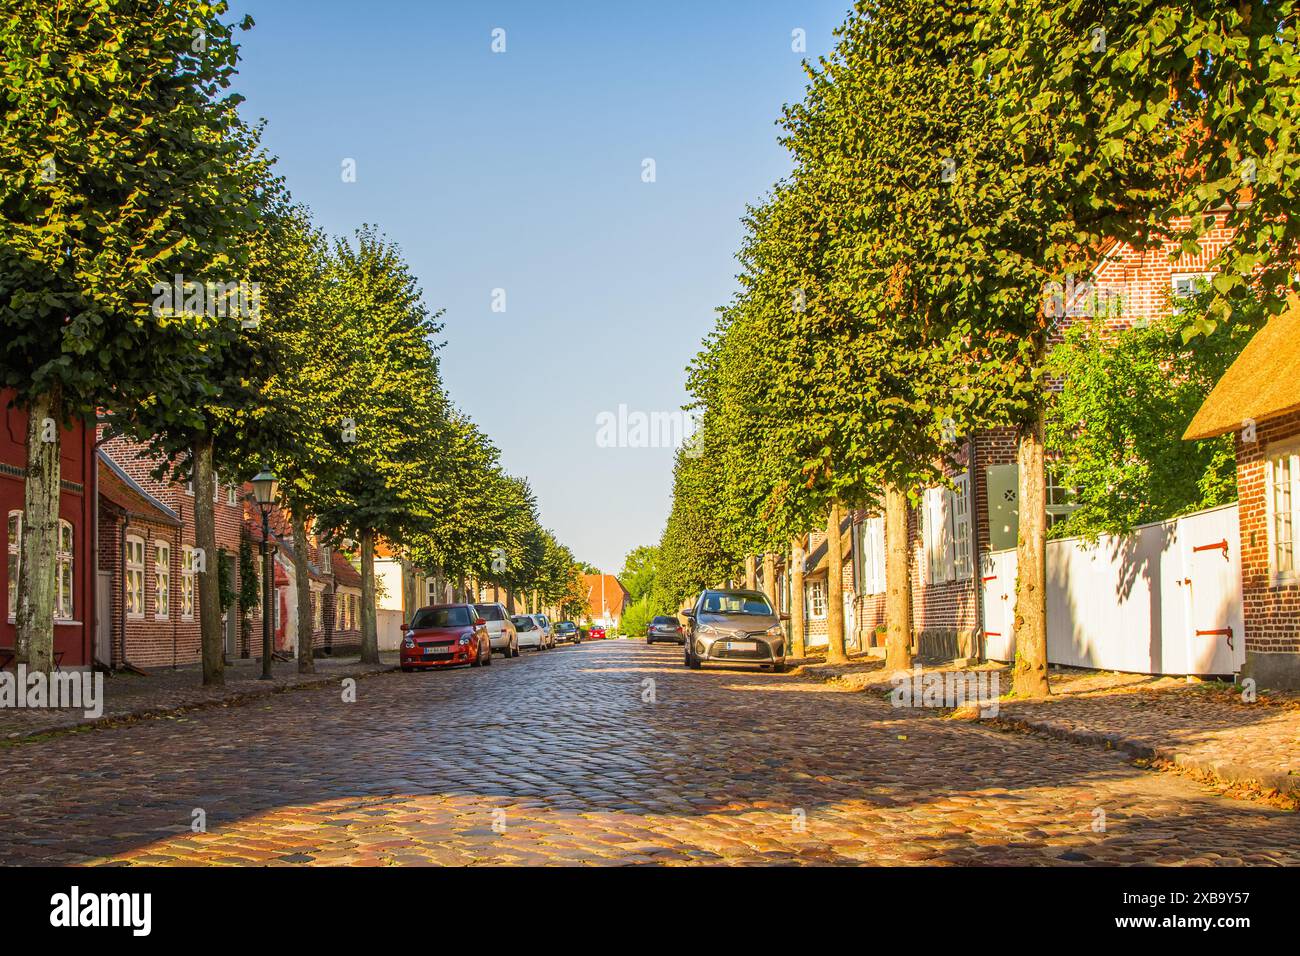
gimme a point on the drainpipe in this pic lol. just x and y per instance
(977, 573)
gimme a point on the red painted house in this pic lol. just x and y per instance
(74, 625)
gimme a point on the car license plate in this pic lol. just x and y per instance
(742, 645)
(437, 651)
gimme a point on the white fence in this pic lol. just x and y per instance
(1165, 599)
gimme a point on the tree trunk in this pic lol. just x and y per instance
(369, 631)
(898, 583)
(1029, 675)
(34, 616)
(796, 597)
(211, 638)
(769, 578)
(751, 573)
(835, 650)
(306, 620)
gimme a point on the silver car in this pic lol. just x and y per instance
(501, 630)
(734, 627)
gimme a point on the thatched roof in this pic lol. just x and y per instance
(1264, 381)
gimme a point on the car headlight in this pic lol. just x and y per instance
(775, 631)
(409, 641)
(464, 639)
(708, 630)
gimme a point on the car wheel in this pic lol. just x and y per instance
(477, 661)
(407, 670)
(514, 649)
(487, 658)
(649, 639)
(778, 668)
(692, 661)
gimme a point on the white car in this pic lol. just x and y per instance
(534, 630)
(501, 630)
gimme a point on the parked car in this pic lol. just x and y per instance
(568, 631)
(533, 630)
(501, 630)
(664, 628)
(596, 632)
(734, 627)
(445, 635)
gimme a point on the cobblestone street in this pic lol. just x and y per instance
(573, 756)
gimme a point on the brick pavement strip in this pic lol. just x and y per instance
(1203, 728)
(556, 758)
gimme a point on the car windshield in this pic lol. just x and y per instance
(441, 617)
(565, 626)
(523, 623)
(735, 602)
(661, 619)
(489, 612)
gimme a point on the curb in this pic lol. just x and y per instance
(153, 713)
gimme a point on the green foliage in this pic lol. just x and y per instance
(637, 616)
(639, 570)
(1118, 421)
(225, 580)
(250, 593)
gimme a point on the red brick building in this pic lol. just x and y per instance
(1258, 400)
(149, 559)
(74, 625)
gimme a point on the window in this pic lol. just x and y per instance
(1060, 500)
(134, 577)
(162, 580)
(1281, 484)
(15, 557)
(869, 555)
(1191, 284)
(962, 557)
(816, 601)
(187, 584)
(232, 495)
(431, 589)
(937, 535)
(355, 606)
(318, 610)
(63, 609)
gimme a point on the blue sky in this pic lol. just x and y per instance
(522, 171)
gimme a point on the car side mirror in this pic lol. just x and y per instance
(784, 615)
(689, 615)
(405, 626)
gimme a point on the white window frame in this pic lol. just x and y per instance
(869, 549)
(187, 583)
(162, 580)
(65, 580)
(1290, 451)
(15, 551)
(232, 495)
(961, 527)
(1065, 502)
(1177, 277)
(133, 578)
(937, 535)
(816, 595)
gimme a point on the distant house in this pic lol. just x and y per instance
(607, 599)
(1258, 401)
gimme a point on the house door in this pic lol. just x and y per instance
(998, 576)
(104, 617)
(232, 637)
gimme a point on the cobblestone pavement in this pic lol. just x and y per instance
(570, 756)
(1205, 727)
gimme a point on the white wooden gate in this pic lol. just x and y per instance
(1165, 599)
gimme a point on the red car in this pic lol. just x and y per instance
(445, 635)
(596, 633)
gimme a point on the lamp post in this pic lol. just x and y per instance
(264, 488)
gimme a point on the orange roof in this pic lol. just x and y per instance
(1260, 384)
(615, 594)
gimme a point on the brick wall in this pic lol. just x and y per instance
(1271, 612)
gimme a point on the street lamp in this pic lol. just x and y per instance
(264, 488)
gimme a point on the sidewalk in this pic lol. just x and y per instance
(1205, 728)
(167, 691)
